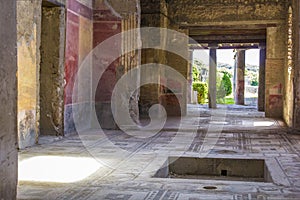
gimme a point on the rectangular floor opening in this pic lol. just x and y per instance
(215, 168)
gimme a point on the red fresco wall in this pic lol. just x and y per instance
(71, 63)
(77, 17)
(104, 24)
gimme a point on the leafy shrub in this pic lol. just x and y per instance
(224, 87)
(196, 73)
(202, 90)
(227, 83)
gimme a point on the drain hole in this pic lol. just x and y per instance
(210, 187)
(223, 172)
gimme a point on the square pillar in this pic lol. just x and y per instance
(212, 88)
(275, 72)
(8, 99)
(240, 76)
(190, 76)
(262, 76)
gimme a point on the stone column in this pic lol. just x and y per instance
(296, 117)
(240, 74)
(275, 71)
(262, 76)
(190, 76)
(234, 72)
(8, 99)
(212, 90)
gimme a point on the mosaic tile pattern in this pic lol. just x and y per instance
(129, 175)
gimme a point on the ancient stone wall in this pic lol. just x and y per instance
(289, 68)
(131, 56)
(28, 37)
(296, 115)
(8, 99)
(89, 24)
(123, 8)
(150, 17)
(193, 12)
(275, 66)
(157, 14)
(31, 56)
(174, 106)
(240, 14)
(52, 70)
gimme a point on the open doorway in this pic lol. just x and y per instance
(226, 72)
(224, 79)
(252, 77)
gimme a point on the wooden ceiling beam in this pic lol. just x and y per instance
(229, 39)
(228, 46)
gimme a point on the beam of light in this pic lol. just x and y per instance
(263, 123)
(58, 169)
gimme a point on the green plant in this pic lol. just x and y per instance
(254, 83)
(226, 100)
(202, 90)
(252, 76)
(227, 83)
(229, 100)
(221, 101)
(196, 73)
(224, 87)
(219, 87)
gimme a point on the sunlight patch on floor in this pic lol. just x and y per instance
(264, 123)
(58, 169)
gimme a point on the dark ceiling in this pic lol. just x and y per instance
(228, 37)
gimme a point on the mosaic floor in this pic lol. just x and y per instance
(116, 165)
